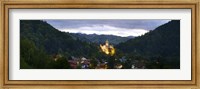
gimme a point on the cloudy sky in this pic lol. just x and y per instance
(121, 28)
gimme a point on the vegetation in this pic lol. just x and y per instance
(161, 45)
(39, 42)
(99, 39)
(44, 47)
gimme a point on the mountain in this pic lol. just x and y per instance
(99, 39)
(44, 47)
(52, 40)
(39, 41)
(163, 43)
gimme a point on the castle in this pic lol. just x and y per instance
(107, 48)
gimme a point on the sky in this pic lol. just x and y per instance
(123, 28)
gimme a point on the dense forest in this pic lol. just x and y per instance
(161, 45)
(100, 39)
(44, 47)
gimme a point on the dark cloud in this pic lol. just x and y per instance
(130, 24)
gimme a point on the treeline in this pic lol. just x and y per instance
(39, 42)
(160, 46)
(100, 39)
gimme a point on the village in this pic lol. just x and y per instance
(83, 63)
(109, 50)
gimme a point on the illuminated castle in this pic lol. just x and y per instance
(108, 49)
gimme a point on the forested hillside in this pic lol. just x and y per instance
(100, 39)
(161, 44)
(44, 47)
(39, 41)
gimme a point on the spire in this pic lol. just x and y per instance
(107, 43)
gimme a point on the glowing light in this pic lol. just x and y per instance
(107, 49)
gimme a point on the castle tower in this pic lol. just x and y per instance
(107, 43)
